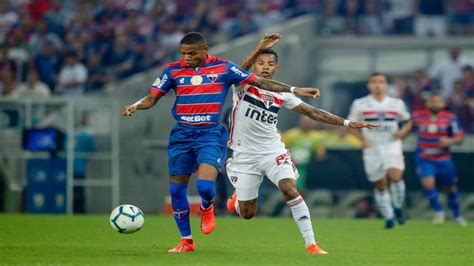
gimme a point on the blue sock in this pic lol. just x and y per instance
(207, 191)
(432, 196)
(453, 202)
(180, 204)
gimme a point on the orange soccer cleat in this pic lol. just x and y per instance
(208, 220)
(185, 245)
(314, 249)
(231, 203)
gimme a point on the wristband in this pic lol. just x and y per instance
(346, 122)
(292, 90)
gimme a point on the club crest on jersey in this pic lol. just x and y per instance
(432, 128)
(212, 77)
(381, 116)
(233, 179)
(268, 100)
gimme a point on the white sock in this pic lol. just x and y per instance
(237, 208)
(384, 204)
(397, 191)
(300, 213)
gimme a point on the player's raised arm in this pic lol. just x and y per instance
(145, 103)
(268, 41)
(328, 118)
(405, 130)
(276, 86)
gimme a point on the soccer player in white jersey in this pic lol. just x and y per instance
(383, 154)
(257, 147)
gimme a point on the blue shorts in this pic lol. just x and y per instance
(443, 171)
(189, 147)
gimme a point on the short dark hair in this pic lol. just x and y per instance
(467, 68)
(193, 38)
(377, 74)
(268, 51)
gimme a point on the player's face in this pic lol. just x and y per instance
(265, 66)
(435, 104)
(193, 54)
(378, 85)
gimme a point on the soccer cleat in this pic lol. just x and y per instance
(399, 216)
(185, 245)
(231, 203)
(208, 220)
(439, 218)
(461, 221)
(315, 249)
(389, 224)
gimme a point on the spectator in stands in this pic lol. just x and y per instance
(8, 18)
(398, 87)
(266, 17)
(329, 21)
(398, 16)
(48, 63)
(305, 144)
(457, 100)
(8, 84)
(339, 137)
(5, 61)
(121, 57)
(431, 19)
(32, 88)
(448, 70)
(468, 80)
(370, 22)
(98, 76)
(351, 12)
(463, 17)
(72, 76)
(243, 24)
(43, 35)
(419, 89)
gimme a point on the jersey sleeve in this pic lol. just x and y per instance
(291, 101)
(403, 115)
(239, 76)
(163, 83)
(456, 128)
(354, 113)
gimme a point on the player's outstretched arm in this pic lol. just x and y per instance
(276, 86)
(268, 41)
(146, 102)
(328, 118)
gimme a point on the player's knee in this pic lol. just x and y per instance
(247, 213)
(205, 188)
(290, 193)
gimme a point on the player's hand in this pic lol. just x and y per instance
(269, 40)
(307, 92)
(129, 110)
(445, 142)
(360, 124)
(365, 143)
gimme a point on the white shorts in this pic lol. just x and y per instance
(379, 158)
(246, 171)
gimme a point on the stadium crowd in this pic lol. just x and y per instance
(53, 47)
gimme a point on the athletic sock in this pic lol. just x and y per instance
(300, 213)
(432, 196)
(237, 207)
(207, 191)
(397, 192)
(384, 204)
(180, 204)
(453, 202)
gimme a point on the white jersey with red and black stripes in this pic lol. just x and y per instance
(388, 113)
(254, 119)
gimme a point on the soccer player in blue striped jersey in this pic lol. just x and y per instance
(198, 141)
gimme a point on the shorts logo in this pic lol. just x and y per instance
(268, 100)
(233, 179)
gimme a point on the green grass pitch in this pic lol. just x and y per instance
(80, 240)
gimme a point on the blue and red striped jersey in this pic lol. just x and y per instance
(201, 91)
(429, 129)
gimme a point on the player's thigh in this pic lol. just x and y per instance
(373, 166)
(181, 159)
(212, 153)
(446, 175)
(244, 178)
(279, 166)
(426, 172)
(393, 163)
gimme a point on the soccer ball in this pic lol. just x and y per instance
(127, 219)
